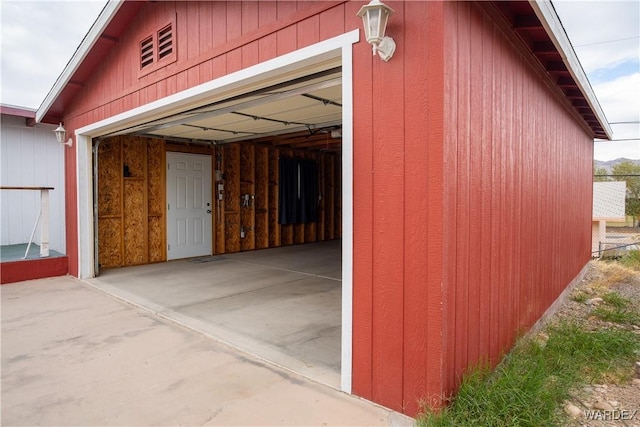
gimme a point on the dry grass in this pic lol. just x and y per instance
(613, 273)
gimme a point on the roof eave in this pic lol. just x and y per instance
(551, 22)
(96, 30)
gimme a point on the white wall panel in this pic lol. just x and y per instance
(30, 157)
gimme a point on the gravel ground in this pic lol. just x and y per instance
(597, 405)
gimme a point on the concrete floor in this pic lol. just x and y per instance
(282, 305)
(72, 355)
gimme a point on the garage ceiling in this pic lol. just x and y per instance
(302, 113)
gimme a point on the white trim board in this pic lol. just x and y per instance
(551, 22)
(337, 47)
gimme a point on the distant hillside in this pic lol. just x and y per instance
(609, 164)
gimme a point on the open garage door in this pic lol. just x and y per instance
(293, 107)
(275, 153)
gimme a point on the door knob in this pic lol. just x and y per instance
(208, 210)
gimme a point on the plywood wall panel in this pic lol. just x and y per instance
(247, 218)
(110, 178)
(218, 205)
(135, 222)
(298, 233)
(286, 231)
(274, 227)
(261, 206)
(141, 219)
(232, 232)
(231, 162)
(247, 187)
(156, 180)
(232, 177)
(156, 239)
(134, 155)
(110, 242)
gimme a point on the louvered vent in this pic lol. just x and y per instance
(158, 49)
(146, 52)
(165, 42)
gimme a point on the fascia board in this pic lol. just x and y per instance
(547, 15)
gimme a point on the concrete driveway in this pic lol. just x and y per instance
(72, 355)
(283, 305)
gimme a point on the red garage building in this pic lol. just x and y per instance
(457, 174)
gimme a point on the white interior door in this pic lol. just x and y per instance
(188, 205)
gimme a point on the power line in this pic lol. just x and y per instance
(608, 41)
(616, 140)
(624, 123)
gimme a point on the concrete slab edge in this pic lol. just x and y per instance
(326, 378)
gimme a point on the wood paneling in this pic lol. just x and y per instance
(247, 197)
(462, 216)
(135, 221)
(155, 178)
(110, 203)
(134, 156)
(286, 230)
(156, 238)
(110, 178)
(274, 227)
(388, 225)
(517, 202)
(110, 250)
(261, 203)
(211, 38)
(131, 213)
(231, 162)
(252, 168)
(422, 236)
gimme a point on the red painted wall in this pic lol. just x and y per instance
(398, 200)
(213, 39)
(472, 184)
(517, 198)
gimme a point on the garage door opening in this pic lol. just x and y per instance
(277, 280)
(265, 281)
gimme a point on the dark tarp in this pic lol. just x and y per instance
(298, 191)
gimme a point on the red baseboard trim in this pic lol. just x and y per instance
(29, 269)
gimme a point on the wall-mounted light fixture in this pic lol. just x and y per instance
(374, 18)
(61, 135)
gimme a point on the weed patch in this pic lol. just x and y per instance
(580, 297)
(631, 259)
(617, 309)
(534, 379)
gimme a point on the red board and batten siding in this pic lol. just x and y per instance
(212, 39)
(517, 167)
(471, 179)
(398, 178)
(397, 319)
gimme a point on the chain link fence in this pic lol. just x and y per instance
(618, 241)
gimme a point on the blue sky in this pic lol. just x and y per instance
(605, 36)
